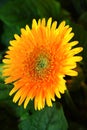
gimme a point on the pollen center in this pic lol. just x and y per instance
(42, 64)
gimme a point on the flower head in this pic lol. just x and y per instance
(37, 61)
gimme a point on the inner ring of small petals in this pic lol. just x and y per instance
(40, 64)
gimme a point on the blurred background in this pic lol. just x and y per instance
(15, 14)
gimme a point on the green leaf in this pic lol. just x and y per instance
(46, 119)
(9, 35)
(4, 91)
(1, 77)
(48, 8)
(2, 2)
(18, 13)
(4, 88)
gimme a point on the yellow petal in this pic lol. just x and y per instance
(34, 24)
(54, 25)
(13, 90)
(67, 38)
(43, 22)
(76, 50)
(61, 26)
(23, 97)
(73, 43)
(49, 22)
(26, 101)
(17, 37)
(71, 73)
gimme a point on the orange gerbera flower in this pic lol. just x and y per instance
(38, 60)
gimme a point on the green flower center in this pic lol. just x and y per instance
(42, 64)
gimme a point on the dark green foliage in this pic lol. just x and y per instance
(16, 14)
(46, 119)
